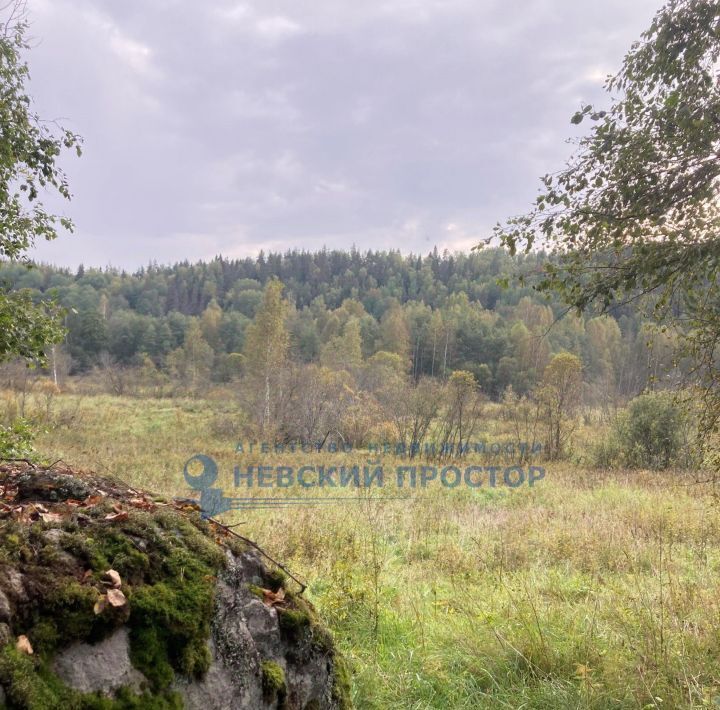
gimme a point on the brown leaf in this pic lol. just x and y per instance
(117, 517)
(116, 598)
(92, 500)
(271, 598)
(23, 645)
(142, 503)
(113, 578)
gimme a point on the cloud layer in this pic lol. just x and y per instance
(227, 127)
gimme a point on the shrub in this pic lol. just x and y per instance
(651, 432)
(16, 440)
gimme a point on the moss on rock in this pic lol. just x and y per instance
(52, 576)
(168, 565)
(28, 683)
(273, 682)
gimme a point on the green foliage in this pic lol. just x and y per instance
(454, 319)
(17, 440)
(293, 621)
(650, 432)
(342, 684)
(637, 210)
(29, 148)
(26, 328)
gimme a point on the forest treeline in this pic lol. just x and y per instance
(438, 313)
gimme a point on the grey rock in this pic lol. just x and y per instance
(54, 535)
(102, 667)
(262, 623)
(245, 633)
(228, 685)
(51, 486)
(5, 608)
(13, 584)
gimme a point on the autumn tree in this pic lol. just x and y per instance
(636, 212)
(412, 407)
(211, 325)
(462, 411)
(192, 363)
(344, 351)
(266, 352)
(559, 395)
(394, 333)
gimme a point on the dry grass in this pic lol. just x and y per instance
(593, 589)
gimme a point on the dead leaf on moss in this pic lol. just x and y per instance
(271, 598)
(113, 578)
(23, 645)
(142, 503)
(116, 598)
(117, 517)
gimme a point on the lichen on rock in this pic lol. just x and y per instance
(130, 603)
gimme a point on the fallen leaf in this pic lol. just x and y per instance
(23, 645)
(271, 598)
(113, 577)
(117, 517)
(116, 598)
(51, 517)
(582, 671)
(100, 605)
(142, 503)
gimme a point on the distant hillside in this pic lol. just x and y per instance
(439, 312)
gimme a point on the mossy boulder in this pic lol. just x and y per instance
(189, 617)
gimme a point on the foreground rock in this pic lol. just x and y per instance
(114, 600)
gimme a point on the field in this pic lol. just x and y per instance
(591, 589)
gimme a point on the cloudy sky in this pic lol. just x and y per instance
(222, 127)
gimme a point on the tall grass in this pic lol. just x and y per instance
(592, 589)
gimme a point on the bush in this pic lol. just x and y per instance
(651, 433)
(16, 440)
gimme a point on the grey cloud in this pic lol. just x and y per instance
(229, 127)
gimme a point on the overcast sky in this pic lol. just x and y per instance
(219, 127)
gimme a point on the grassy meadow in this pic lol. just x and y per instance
(592, 589)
